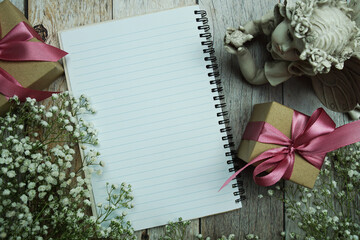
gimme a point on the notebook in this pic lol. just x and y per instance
(162, 126)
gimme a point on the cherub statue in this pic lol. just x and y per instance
(315, 38)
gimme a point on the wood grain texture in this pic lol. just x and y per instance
(261, 216)
(59, 15)
(264, 217)
(128, 8)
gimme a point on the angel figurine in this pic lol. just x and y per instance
(316, 38)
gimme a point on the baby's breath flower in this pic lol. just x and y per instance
(312, 210)
(351, 173)
(270, 192)
(92, 219)
(80, 214)
(42, 195)
(69, 128)
(24, 198)
(76, 134)
(87, 202)
(54, 109)
(49, 114)
(11, 174)
(32, 194)
(251, 236)
(6, 192)
(44, 123)
(68, 157)
(99, 172)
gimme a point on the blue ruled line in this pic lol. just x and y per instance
(167, 135)
(132, 33)
(129, 49)
(147, 115)
(134, 40)
(149, 123)
(170, 150)
(128, 57)
(188, 209)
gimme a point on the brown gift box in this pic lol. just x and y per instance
(34, 75)
(281, 118)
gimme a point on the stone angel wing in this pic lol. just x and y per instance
(339, 90)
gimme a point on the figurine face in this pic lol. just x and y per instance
(285, 44)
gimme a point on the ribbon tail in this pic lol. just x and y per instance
(234, 175)
(263, 156)
(9, 88)
(340, 137)
(21, 32)
(30, 51)
(283, 169)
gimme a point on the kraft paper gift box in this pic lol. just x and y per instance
(281, 118)
(33, 75)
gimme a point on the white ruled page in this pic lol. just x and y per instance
(158, 127)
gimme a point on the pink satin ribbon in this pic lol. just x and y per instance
(311, 137)
(15, 46)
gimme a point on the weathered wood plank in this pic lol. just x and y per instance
(60, 15)
(128, 8)
(263, 217)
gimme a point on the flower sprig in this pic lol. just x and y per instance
(44, 187)
(177, 231)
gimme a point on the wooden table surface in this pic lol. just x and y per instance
(264, 217)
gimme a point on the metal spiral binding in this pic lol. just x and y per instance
(208, 43)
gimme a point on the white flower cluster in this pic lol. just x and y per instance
(251, 236)
(43, 193)
(332, 206)
(330, 210)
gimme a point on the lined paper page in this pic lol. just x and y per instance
(158, 127)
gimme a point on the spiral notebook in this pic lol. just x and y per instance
(160, 113)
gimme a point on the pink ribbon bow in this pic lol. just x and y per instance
(311, 137)
(15, 46)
